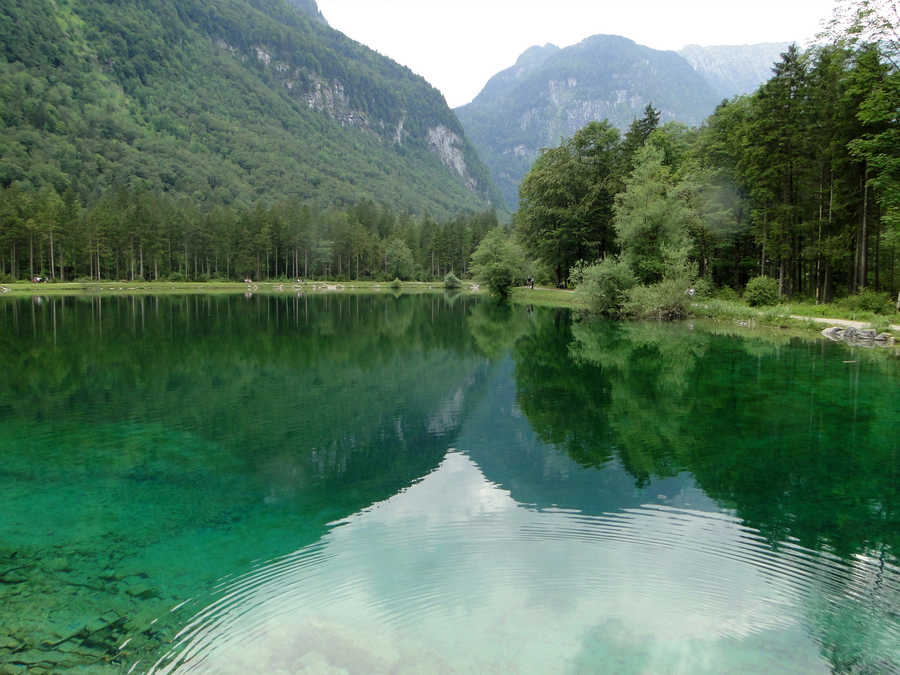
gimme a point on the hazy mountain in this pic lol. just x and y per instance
(227, 102)
(735, 70)
(550, 93)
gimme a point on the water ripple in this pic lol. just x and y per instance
(449, 573)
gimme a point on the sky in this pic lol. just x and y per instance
(458, 46)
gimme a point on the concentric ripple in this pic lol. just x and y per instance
(453, 575)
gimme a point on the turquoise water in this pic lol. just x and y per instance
(430, 484)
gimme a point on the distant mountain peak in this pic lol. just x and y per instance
(536, 54)
(551, 92)
(733, 70)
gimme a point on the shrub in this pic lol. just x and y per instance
(665, 300)
(175, 276)
(868, 301)
(603, 287)
(499, 261)
(761, 291)
(396, 283)
(451, 281)
(726, 293)
(703, 289)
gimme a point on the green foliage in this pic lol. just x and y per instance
(566, 200)
(869, 301)
(396, 284)
(652, 219)
(761, 291)
(665, 300)
(399, 261)
(499, 262)
(727, 293)
(603, 287)
(451, 281)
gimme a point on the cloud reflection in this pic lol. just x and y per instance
(452, 574)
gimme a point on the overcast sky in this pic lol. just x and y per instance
(457, 46)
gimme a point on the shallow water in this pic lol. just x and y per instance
(425, 484)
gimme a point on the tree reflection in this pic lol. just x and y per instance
(782, 433)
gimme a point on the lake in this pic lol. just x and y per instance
(374, 484)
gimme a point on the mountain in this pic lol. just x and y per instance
(222, 101)
(550, 93)
(735, 70)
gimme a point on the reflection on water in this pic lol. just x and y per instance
(453, 574)
(428, 484)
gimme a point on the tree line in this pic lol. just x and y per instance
(129, 234)
(799, 182)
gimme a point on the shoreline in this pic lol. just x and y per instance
(778, 316)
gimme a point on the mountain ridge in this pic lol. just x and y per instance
(551, 92)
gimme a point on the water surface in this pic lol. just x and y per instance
(411, 484)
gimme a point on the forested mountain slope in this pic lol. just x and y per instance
(225, 102)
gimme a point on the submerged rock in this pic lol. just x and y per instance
(865, 337)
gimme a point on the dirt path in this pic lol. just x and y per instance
(839, 322)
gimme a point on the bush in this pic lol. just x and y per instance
(868, 301)
(602, 288)
(726, 293)
(665, 300)
(703, 289)
(396, 284)
(761, 291)
(499, 261)
(451, 281)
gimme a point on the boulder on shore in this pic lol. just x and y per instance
(866, 337)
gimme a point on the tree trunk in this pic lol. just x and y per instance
(863, 253)
(52, 274)
(781, 277)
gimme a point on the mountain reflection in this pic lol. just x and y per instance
(453, 574)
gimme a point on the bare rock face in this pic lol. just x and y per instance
(448, 146)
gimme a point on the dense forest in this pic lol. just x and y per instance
(142, 235)
(798, 182)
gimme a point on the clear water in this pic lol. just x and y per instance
(427, 484)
